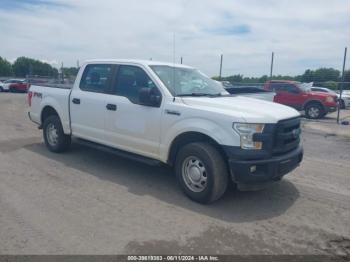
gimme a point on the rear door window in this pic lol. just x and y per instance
(290, 88)
(276, 87)
(96, 78)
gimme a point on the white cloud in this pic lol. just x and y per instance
(303, 34)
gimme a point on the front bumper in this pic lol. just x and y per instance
(255, 174)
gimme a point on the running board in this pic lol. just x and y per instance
(118, 152)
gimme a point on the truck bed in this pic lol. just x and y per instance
(63, 86)
(58, 95)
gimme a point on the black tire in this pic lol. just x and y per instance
(62, 141)
(1, 89)
(216, 172)
(314, 111)
(12, 90)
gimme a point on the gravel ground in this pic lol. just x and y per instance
(90, 202)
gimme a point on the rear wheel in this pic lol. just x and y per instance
(54, 137)
(201, 172)
(1, 89)
(314, 111)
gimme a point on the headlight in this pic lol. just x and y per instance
(329, 99)
(246, 132)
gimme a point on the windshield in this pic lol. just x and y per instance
(188, 82)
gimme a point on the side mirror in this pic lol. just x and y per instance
(149, 97)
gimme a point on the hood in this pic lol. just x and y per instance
(321, 94)
(249, 109)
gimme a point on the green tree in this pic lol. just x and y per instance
(326, 74)
(330, 84)
(308, 76)
(321, 75)
(5, 67)
(70, 71)
(24, 66)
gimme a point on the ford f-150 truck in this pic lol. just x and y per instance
(301, 97)
(169, 113)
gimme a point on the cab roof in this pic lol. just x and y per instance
(136, 61)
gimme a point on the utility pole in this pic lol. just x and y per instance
(342, 83)
(271, 67)
(181, 60)
(62, 76)
(221, 58)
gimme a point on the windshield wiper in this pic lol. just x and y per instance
(201, 94)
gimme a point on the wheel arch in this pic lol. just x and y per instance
(313, 101)
(50, 106)
(191, 137)
(46, 112)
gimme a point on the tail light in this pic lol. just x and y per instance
(29, 97)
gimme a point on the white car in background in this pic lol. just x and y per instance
(345, 98)
(5, 86)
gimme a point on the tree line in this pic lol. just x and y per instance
(326, 77)
(24, 66)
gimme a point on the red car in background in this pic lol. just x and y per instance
(18, 86)
(299, 96)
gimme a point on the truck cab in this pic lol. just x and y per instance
(172, 114)
(301, 97)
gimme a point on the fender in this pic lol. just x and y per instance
(49, 101)
(204, 126)
(311, 100)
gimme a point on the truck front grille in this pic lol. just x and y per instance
(287, 136)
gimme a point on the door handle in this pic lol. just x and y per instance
(111, 107)
(76, 101)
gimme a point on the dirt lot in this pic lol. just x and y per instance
(89, 202)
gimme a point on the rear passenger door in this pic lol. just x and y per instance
(286, 94)
(88, 102)
(293, 96)
(129, 125)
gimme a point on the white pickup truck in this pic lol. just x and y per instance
(169, 113)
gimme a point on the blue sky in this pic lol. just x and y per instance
(303, 34)
(29, 4)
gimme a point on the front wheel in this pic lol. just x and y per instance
(54, 137)
(314, 111)
(1, 89)
(201, 172)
